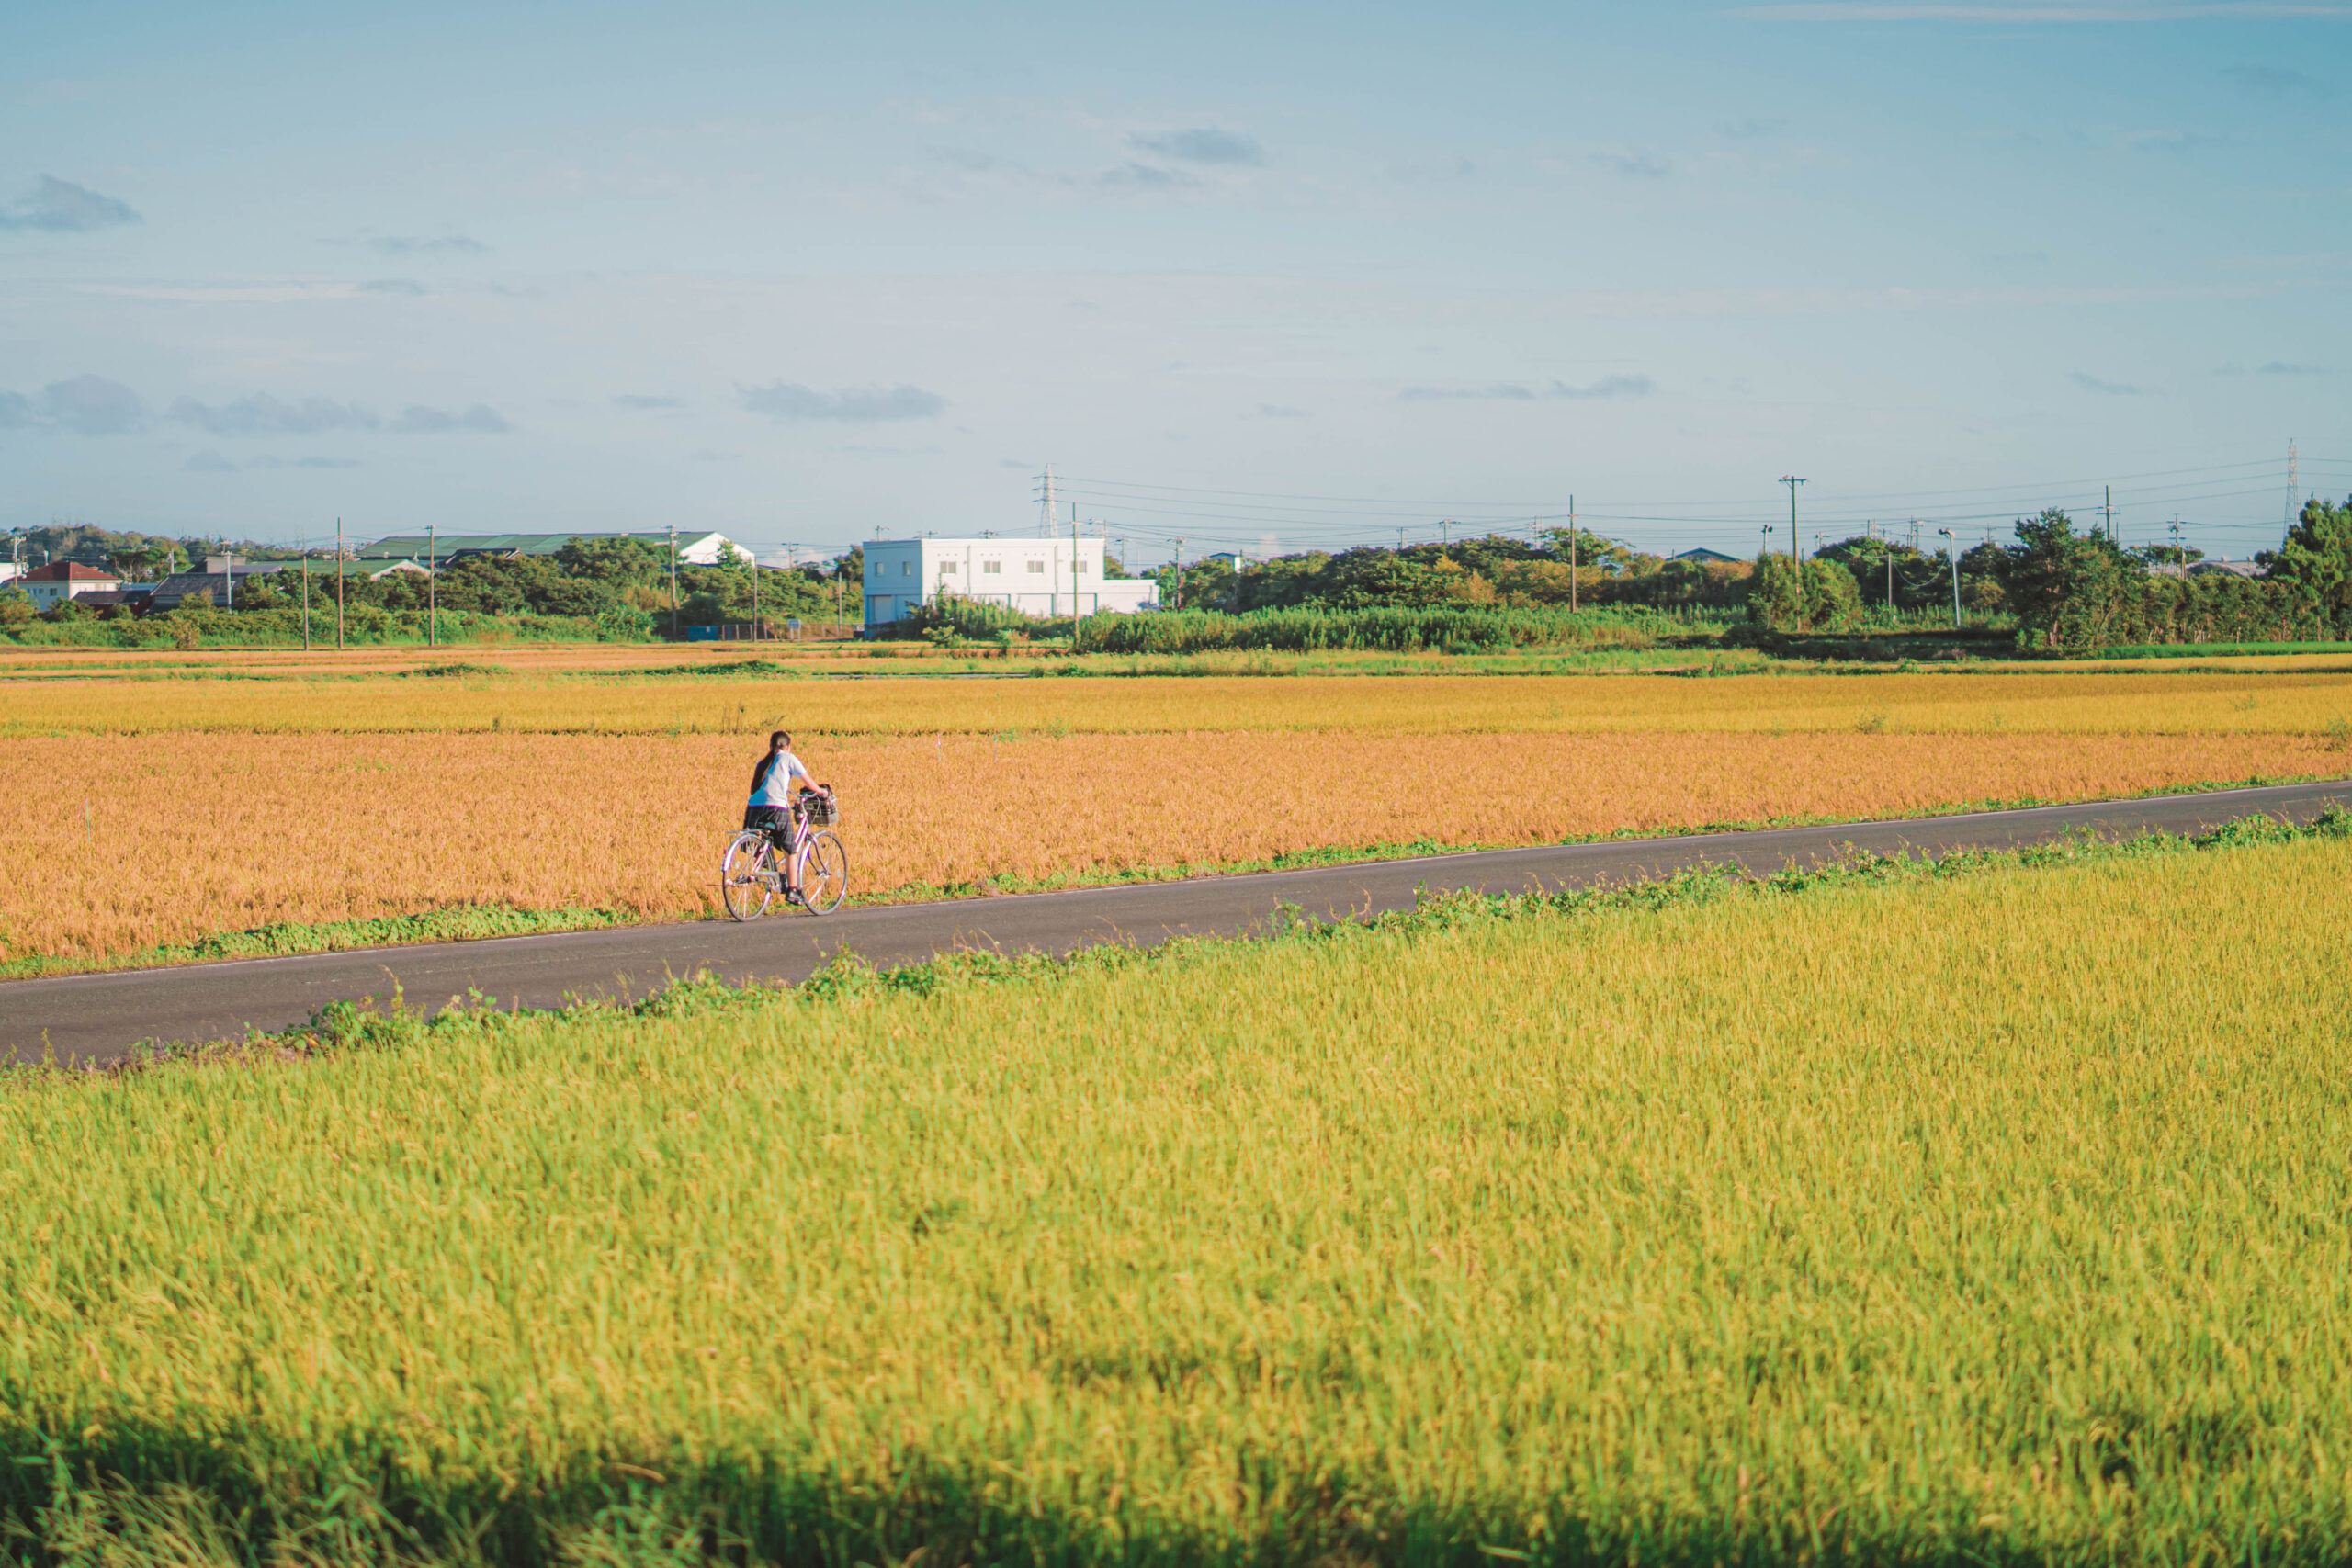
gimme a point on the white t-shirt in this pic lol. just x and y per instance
(776, 788)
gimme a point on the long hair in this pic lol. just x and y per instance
(777, 744)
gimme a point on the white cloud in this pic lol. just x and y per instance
(60, 206)
(1202, 144)
(789, 399)
(261, 414)
(407, 245)
(86, 405)
(479, 419)
(1508, 391)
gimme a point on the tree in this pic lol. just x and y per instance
(2070, 591)
(1209, 584)
(1282, 583)
(1590, 549)
(2315, 558)
(1367, 578)
(617, 559)
(1817, 596)
(257, 592)
(15, 606)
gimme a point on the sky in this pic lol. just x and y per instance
(1267, 279)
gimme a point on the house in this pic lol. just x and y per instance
(59, 580)
(695, 548)
(134, 597)
(217, 579)
(1036, 577)
(2222, 568)
(1704, 557)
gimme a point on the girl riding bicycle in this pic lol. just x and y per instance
(773, 807)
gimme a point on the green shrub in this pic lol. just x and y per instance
(1392, 629)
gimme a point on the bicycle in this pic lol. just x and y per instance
(750, 877)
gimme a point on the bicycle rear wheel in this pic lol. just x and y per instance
(747, 877)
(824, 875)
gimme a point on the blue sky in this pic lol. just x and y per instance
(1274, 279)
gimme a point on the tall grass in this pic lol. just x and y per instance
(1996, 1219)
(1391, 629)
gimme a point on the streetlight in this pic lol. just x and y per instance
(1952, 559)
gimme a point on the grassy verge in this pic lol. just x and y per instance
(2221, 650)
(476, 922)
(467, 922)
(1870, 1216)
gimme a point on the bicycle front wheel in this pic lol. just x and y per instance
(824, 875)
(747, 877)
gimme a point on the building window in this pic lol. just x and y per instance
(906, 569)
(1079, 566)
(947, 569)
(993, 568)
(1037, 568)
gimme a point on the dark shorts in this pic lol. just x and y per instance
(776, 819)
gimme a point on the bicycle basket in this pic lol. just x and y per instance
(824, 813)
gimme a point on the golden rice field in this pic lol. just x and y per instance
(1999, 1220)
(120, 843)
(2042, 702)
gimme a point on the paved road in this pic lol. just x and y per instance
(98, 1017)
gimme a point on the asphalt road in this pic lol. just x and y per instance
(96, 1019)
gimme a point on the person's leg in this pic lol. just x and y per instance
(792, 852)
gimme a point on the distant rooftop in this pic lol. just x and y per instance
(701, 546)
(71, 571)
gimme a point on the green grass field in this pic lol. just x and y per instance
(1996, 1215)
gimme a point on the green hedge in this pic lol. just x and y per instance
(1399, 629)
(364, 624)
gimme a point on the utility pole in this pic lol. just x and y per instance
(1915, 536)
(1952, 559)
(338, 585)
(2294, 486)
(433, 582)
(1572, 555)
(228, 576)
(1793, 481)
(305, 595)
(1073, 577)
(2107, 510)
(673, 582)
(753, 556)
(1179, 573)
(2178, 559)
(1890, 576)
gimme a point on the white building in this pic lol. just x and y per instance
(1036, 577)
(51, 585)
